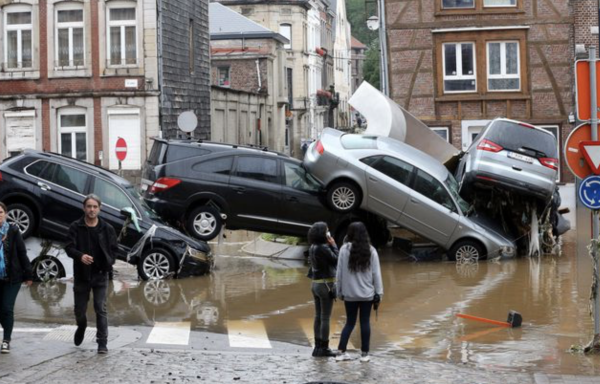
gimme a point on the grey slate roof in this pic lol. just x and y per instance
(225, 23)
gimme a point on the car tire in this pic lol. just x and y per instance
(344, 197)
(46, 268)
(21, 216)
(465, 251)
(155, 263)
(204, 223)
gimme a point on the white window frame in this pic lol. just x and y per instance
(288, 35)
(19, 28)
(70, 26)
(473, 7)
(459, 75)
(550, 128)
(72, 130)
(122, 24)
(500, 5)
(442, 129)
(503, 74)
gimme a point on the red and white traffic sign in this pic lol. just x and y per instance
(591, 153)
(121, 149)
(573, 155)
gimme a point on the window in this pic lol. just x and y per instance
(221, 166)
(395, 169)
(111, 195)
(503, 66)
(36, 169)
(122, 36)
(70, 178)
(175, 152)
(297, 178)
(477, 5)
(459, 67)
(285, 30)
(431, 188)
(73, 133)
(223, 76)
(69, 37)
(499, 3)
(454, 4)
(257, 168)
(18, 38)
(443, 132)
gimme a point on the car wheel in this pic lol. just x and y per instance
(204, 223)
(21, 216)
(47, 268)
(155, 263)
(465, 251)
(343, 197)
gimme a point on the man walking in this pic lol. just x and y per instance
(93, 246)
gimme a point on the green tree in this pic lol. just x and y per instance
(371, 68)
(358, 11)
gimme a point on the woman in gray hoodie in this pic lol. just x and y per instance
(358, 281)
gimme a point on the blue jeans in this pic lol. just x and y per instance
(352, 310)
(8, 296)
(98, 285)
(323, 308)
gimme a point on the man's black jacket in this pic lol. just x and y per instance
(79, 245)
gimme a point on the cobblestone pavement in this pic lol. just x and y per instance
(35, 360)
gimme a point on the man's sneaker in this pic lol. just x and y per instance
(364, 357)
(5, 347)
(102, 350)
(343, 357)
(79, 334)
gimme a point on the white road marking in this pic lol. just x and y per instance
(30, 330)
(248, 334)
(307, 328)
(176, 333)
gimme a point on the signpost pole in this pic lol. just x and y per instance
(595, 222)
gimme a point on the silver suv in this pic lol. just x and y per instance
(403, 185)
(513, 156)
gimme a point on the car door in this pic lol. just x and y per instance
(388, 190)
(302, 200)
(114, 199)
(256, 193)
(62, 195)
(430, 211)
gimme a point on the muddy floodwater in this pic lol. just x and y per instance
(417, 317)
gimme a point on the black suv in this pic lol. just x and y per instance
(205, 185)
(44, 193)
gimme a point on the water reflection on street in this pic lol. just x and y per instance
(416, 319)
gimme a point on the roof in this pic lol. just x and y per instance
(226, 24)
(357, 44)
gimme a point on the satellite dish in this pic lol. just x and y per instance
(187, 121)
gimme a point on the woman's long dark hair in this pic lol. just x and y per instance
(317, 234)
(360, 253)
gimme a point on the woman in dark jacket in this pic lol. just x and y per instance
(15, 269)
(323, 262)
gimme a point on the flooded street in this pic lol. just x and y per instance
(417, 317)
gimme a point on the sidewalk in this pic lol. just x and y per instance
(37, 358)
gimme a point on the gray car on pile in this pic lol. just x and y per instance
(403, 185)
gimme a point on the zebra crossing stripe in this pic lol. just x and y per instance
(176, 333)
(248, 334)
(307, 328)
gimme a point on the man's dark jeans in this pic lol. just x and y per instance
(352, 311)
(8, 296)
(98, 286)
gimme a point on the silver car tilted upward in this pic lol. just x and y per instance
(403, 185)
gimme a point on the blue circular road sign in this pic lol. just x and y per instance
(589, 192)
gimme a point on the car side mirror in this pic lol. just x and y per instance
(126, 213)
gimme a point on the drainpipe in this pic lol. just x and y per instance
(258, 74)
(160, 65)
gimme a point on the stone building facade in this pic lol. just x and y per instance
(457, 64)
(76, 76)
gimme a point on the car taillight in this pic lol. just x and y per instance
(490, 146)
(319, 147)
(163, 184)
(549, 162)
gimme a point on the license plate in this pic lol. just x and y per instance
(518, 156)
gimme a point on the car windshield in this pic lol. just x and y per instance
(453, 187)
(132, 192)
(513, 136)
